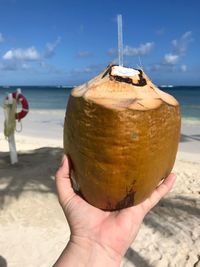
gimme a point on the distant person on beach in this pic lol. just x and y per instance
(100, 238)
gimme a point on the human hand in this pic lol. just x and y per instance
(100, 237)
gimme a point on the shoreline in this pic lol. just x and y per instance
(46, 130)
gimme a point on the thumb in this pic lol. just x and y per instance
(159, 193)
(63, 182)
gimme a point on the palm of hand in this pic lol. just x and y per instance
(111, 230)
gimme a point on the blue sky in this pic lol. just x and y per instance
(68, 42)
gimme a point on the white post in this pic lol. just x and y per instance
(120, 40)
(12, 148)
(11, 138)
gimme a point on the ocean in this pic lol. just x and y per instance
(51, 99)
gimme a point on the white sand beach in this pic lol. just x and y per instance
(34, 231)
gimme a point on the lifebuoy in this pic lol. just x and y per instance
(25, 107)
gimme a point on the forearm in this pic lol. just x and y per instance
(83, 253)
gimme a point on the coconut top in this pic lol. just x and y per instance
(121, 88)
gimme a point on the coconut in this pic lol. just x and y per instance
(121, 133)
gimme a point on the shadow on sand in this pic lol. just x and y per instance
(134, 257)
(166, 218)
(189, 138)
(172, 209)
(34, 172)
(3, 262)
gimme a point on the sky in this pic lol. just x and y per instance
(61, 42)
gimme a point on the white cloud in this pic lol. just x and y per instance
(51, 47)
(143, 49)
(22, 54)
(180, 45)
(179, 50)
(171, 59)
(2, 39)
(31, 53)
(18, 59)
(183, 68)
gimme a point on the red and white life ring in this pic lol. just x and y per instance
(25, 107)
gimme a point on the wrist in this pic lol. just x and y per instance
(81, 252)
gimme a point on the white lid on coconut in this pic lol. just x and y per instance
(123, 72)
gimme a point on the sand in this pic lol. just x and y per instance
(33, 229)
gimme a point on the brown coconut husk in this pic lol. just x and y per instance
(121, 134)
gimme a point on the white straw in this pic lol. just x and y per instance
(120, 40)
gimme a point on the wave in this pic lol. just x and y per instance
(190, 121)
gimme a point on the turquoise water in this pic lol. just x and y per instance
(55, 98)
(42, 97)
(189, 98)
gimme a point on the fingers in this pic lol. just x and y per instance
(63, 183)
(159, 192)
